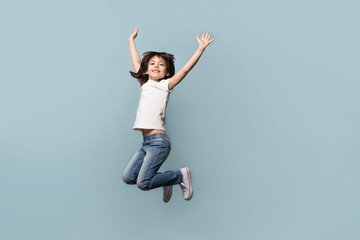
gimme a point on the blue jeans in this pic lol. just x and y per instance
(143, 167)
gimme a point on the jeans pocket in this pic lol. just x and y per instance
(155, 143)
(160, 143)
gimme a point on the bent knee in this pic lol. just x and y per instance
(145, 185)
(128, 180)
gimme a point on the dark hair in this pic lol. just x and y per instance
(141, 74)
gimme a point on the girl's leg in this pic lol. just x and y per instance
(157, 150)
(132, 170)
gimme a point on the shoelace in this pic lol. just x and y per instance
(184, 188)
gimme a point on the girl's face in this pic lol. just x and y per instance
(157, 68)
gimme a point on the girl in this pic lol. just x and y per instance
(156, 75)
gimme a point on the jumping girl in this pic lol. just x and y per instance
(157, 78)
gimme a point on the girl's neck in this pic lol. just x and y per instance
(155, 80)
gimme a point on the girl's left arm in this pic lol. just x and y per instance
(204, 41)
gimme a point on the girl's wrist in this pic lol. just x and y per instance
(201, 48)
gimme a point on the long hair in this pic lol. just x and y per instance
(141, 74)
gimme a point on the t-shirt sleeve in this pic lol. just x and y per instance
(164, 84)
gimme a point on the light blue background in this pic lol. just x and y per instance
(268, 121)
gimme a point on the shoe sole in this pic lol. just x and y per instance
(191, 191)
(167, 198)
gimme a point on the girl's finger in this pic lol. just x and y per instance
(202, 37)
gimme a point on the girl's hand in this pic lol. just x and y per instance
(134, 34)
(204, 41)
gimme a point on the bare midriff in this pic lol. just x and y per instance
(147, 132)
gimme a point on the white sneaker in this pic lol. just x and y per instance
(167, 193)
(186, 184)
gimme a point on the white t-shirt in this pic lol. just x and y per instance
(152, 105)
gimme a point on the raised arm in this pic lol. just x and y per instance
(135, 58)
(204, 41)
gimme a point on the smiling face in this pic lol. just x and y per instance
(157, 68)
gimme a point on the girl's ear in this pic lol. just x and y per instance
(167, 74)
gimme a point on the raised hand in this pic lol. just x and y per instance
(134, 34)
(135, 58)
(204, 41)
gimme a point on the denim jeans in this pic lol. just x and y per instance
(143, 167)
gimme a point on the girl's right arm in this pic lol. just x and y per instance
(135, 58)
